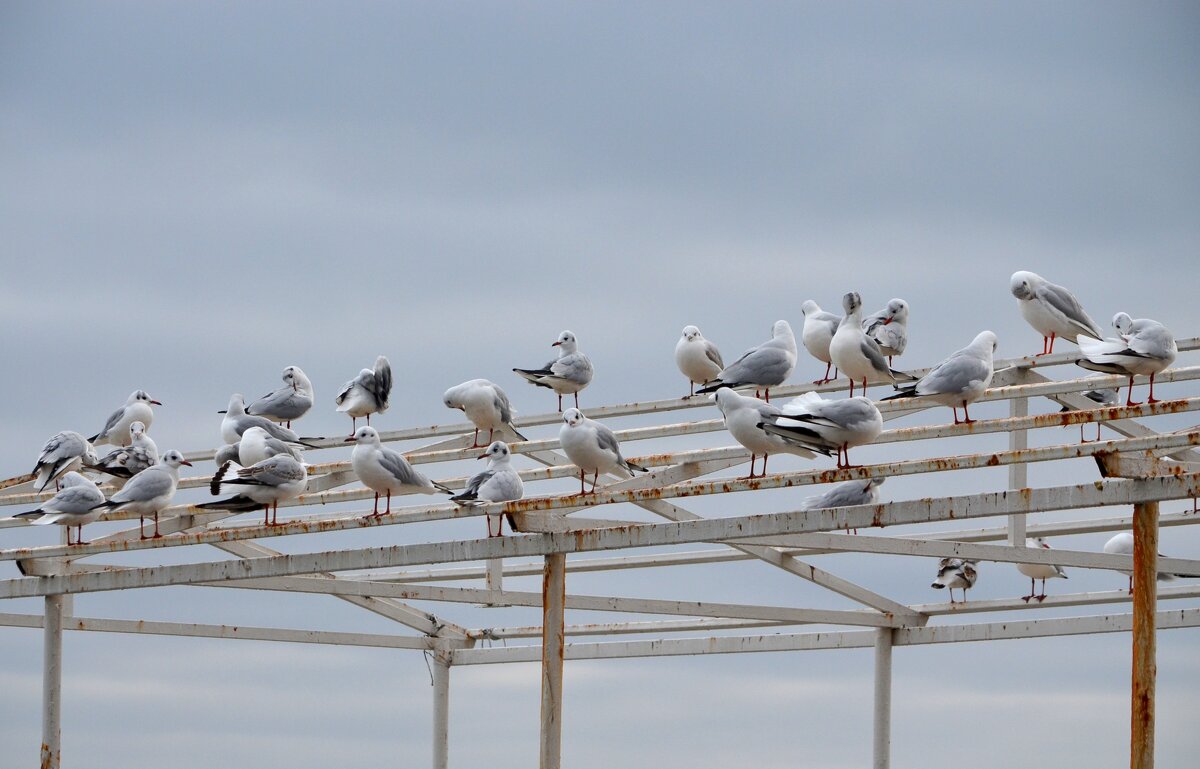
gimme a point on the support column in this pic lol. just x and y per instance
(52, 683)
(882, 754)
(1145, 595)
(554, 588)
(1018, 474)
(441, 711)
(494, 574)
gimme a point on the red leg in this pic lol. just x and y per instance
(1129, 401)
(156, 534)
(955, 410)
(1052, 338)
(491, 435)
(967, 415)
(824, 379)
(142, 526)
(851, 387)
(389, 502)
(1152, 399)
(576, 400)
(375, 507)
(595, 480)
(582, 487)
(475, 440)
(864, 387)
(266, 515)
(79, 535)
(767, 393)
(764, 472)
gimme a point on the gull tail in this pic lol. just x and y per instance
(514, 432)
(236, 504)
(442, 488)
(223, 472)
(904, 392)
(534, 376)
(631, 467)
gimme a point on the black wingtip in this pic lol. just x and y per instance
(306, 442)
(93, 438)
(214, 486)
(637, 467)
(443, 488)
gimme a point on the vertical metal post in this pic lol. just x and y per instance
(554, 588)
(52, 683)
(883, 698)
(1145, 595)
(1018, 473)
(494, 576)
(441, 712)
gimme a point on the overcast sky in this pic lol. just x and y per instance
(194, 196)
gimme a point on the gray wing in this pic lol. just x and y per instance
(502, 487)
(767, 412)
(607, 440)
(829, 319)
(399, 468)
(227, 453)
(762, 365)
(75, 499)
(1153, 342)
(500, 401)
(1065, 302)
(275, 471)
(274, 429)
(112, 421)
(277, 447)
(61, 445)
(473, 485)
(146, 485)
(284, 403)
(575, 367)
(839, 413)
(346, 388)
(713, 354)
(954, 375)
(843, 495)
(870, 348)
(381, 383)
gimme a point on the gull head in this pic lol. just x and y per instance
(1023, 283)
(809, 307)
(781, 329)
(173, 459)
(143, 396)
(897, 310)
(851, 302)
(365, 434)
(566, 340)
(985, 340)
(292, 375)
(573, 417)
(726, 399)
(237, 405)
(136, 429)
(691, 333)
(1122, 322)
(497, 451)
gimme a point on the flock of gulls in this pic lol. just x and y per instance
(261, 463)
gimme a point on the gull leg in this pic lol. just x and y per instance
(864, 387)
(475, 440)
(1032, 590)
(266, 515)
(156, 534)
(851, 387)
(1042, 597)
(375, 507)
(1129, 401)
(576, 400)
(389, 502)
(1152, 399)
(767, 392)
(955, 410)
(560, 403)
(967, 415)
(595, 480)
(1053, 335)
(764, 472)
(824, 379)
(491, 435)
(142, 526)
(582, 487)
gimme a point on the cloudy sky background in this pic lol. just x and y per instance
(197, 195)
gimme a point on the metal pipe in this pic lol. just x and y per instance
(52, 683)
(441, 711)
(1018, 474)
(883, 698)
(1145, 587)
(554, 588)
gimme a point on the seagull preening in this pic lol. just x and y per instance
(237, 422)
(818, 331)
(137, 408)
(64, 452)
(1052, 310)
(1145, 347)
(127, 461)
(593, 448)
(958, 381)
(499, 482)
(386, 471)
(854, 353)
(697, 358)
(889, 328)
(569, 373)
(762, 367)
(485, 404)
(956, 572)
(1122, 544)
(76, 504)
(288, 403)
(1036, 571)
(148, 492)
(811, 422)
(257, 444)
(743, 417)
(261, 486)
(367, 393)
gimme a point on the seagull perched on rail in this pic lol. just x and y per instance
(762, 367)
(263, 485)
(593, 448)
(62, 453)
(137, 408)
(367, 393)
(889, 328)
(1042, 571)
(74, 505)
(148, 492)
(498, 483)
(744, 419)
(485, 404)
(959, 380)
(1052, 310)
(697, 358)
(289, 402)
(854, 353)
(956, 572)
(817, 333)
(1145, 347)
(386, 471)
(567, 374)
(814, 423)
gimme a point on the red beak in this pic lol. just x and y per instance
(351, 439)
(156, 403)
(556, 344)
(482, 456)
(185, 462)
(889, 320)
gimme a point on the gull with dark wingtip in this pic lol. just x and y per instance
(567, 374)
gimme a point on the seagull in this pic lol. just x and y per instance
(955, 572)
(237, 422)
(856, 354)
(230, 452)
(1146, 347)
(567, 375)
(1122, 544)
(593, 448)
(124, 463)
(763, 367)
(889, 328)
(697, 358)
(485, 404)
(1104, 397)
(959, 380)
(848, 494)
(64, 452)
(386, 471)
(148, 492)
(257, 444)
(262, 485)
(74, 505)
(136, 409)
(1036, 571)
(818, 331)
(367, 393)
(743, 418)
(498, 483)
(1052, 310)
(814, 423)
(289, 402)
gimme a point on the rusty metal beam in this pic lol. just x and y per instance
(1145, 586)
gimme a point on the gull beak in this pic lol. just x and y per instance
(156, 403)
(556, 344)
(889, 320)
(222, 411)
(351, 439)
(482, 456)
(185, 462)
(294, 388)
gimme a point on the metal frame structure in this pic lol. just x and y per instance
(1139, 469)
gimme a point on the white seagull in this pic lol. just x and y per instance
(697, 358)
(762, 367)
(889, 328)
(1145, 347)
(959, 380)
(257, 444)
(955, 572)
(567, 374)
(824, 426)
(743, 417)
(1036, 571)
(854, 353)
(1052, 310)
(137, 408)
(289, 402)
(498, 483)
(367, 393)
(263, 485)
(818, 331)
(485, 404)
(148, 492)
(1122, 544)
(848, 494)
(236, 422)
(386, 471)
(64, 452)
(126, 462)
(74, 505)
(593, 448)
